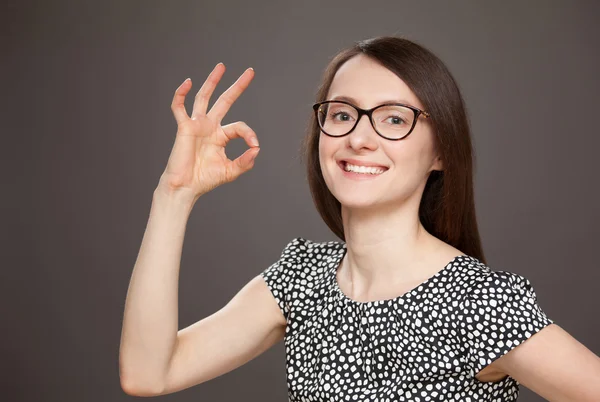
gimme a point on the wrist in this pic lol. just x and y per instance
(179, 197)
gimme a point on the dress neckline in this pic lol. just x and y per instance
(415, 290)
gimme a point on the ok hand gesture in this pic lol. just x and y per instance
(198, 162)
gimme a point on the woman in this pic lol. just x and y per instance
(405, 307)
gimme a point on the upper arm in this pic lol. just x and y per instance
(554, 365)
(508, 332)
(240, 331)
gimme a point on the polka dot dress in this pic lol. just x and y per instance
(425, 345)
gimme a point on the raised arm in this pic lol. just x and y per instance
(155, 357)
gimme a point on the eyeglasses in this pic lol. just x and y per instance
(392, 121)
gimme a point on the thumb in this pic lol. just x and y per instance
(244, 162)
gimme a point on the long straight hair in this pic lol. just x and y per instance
(447, 207)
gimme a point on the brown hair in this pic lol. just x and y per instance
(447, 208)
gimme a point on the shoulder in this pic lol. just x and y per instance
(500, 300)
(482, 279)
(500, 311)
(502, 283)
(300, 248)
(301, 265)
(303, 255)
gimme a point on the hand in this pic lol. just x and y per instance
(198, 162)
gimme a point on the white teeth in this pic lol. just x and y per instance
(362, 169)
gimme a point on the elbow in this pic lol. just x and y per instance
(134, 383)
(129, 388)
(138, 388)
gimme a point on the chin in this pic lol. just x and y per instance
(358, 201)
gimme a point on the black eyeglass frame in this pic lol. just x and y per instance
(369, 112)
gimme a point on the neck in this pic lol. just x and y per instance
(386, 247)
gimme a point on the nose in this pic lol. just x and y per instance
(363, 135)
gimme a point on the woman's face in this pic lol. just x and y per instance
(408, 161)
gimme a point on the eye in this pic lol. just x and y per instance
(344, 115)
(396, 120)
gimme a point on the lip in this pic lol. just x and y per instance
(356, 162)
(358, 176)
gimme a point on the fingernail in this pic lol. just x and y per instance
(254, 141)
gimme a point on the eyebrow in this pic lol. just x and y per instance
(356, 102)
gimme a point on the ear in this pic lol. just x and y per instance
(437, 164)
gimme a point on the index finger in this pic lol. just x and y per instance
(205, 92)
(222, 105)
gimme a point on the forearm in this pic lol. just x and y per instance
(150, 321)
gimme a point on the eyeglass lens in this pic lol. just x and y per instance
(392, 121)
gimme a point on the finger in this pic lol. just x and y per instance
(222, 105)
(243, 163)
(207, 89)
(239, 129)
(177, 105)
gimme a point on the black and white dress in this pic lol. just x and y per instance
(425, 345)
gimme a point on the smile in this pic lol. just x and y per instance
(360, 172)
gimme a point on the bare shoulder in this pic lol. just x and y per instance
(444, 253)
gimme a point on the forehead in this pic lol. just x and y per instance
(370, 84)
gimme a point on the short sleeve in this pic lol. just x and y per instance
(280, 275)
(500, 313)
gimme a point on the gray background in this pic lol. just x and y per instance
(87, 130)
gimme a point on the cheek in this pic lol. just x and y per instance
(415, 154)
(326, 149)
(411, 164)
